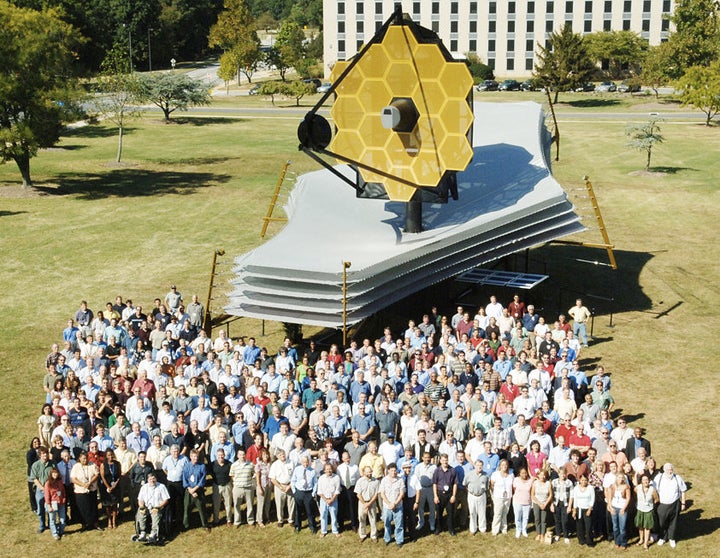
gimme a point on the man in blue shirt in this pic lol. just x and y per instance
(193, 479)
(304, 486)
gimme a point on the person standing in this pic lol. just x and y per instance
(392, 491)
(196, 312)
(280, 474)
(411, 500)
(349, 473)
(242, 473)
(620, 495)
(522, 500)
(152, 499)
(445, 487)
(366, 489)
(580, 315)
(85, 476)
(221, 488)
(304, 487)
(647, 498)
(671, 490)
(501, 482)
(328, 489)
(562, 488)
(476, 483)
(424, 471)
(39, 473)
(193, 478)
(542, 497)
(55, 503)
(582, 499)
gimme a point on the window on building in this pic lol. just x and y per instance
(587, 26)
(453, 45)
(531, 7)
(360, 8)
(378, 26)
(511, 7)
(549, 26)
(453, 27)
(608, 6)
(341, 27)
(646, 25)
(473, 7)
(435, 7)
(529, 45)
(511, 26)
(435, 26)
(416, 7)
(626, 25)
(473, 26)
(588, 6)
(378, 7)
(492, 7)
(491, 26)
(510, 63)
(529, 64)
(358, 45)
(360, 26)
(550, 8)
(569, 7)
(341, 46)
(530, 26)
(666, 6)
(341, 8)
(665, 25)
(491, 63)
(491, 45)
(511, 45)
(453, 7)
(646, 6)
(627, 6)
(472, 45)
(607, 25)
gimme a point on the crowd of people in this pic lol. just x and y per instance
(453, 424)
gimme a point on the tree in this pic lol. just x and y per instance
(36, 84)
(235, 33)
(119, 91)
(294, 89)
(289, 49)
(696, 39)
(478, 70)
(655, 67)
(644, 137)
(618, 52)
(700, 88)
(170, 92)
(565, 63)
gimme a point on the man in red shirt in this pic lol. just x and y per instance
(580, 441)
(516, 308)
(565, 429)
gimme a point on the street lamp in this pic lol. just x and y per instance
(130, 42)
(172, 63)
(150, 29)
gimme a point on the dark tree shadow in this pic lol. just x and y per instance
(93, 131)
(194, 161)
(671, 170)
(131, 183)
(11, 213)
(203, 120)
(592, 103)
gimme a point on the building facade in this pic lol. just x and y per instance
(503, 33)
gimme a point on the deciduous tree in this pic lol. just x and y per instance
(172, 91)
(696, 39)
(236, 34)
(644, 137)
(700, 87)
(36, 83)
(565, 63)
(619, 53)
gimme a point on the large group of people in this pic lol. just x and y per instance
(452, 424)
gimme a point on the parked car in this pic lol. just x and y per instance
(254, 90)
(606, 87)
(626, 87)
(324, 88)
(509, 85)
(527, 85)
(585, 87)
(315, 81)
(487, 85)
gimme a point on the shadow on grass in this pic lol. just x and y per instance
(122, 183)
(671, 170)
(94, 131)
(629, 417)
(11, 213)
(204, 120)
(592, 103)
(693, 524)
(194, 161)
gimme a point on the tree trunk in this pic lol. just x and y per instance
(166, 111)
(647, 165)
(120, 143)
(23, 163)
(557, 92)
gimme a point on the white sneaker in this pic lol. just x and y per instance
(661, 542)
(517, 534)
(567, 541)
(672, 543)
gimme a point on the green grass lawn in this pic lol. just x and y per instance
(94, 229)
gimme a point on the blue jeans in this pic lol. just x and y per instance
(57, 520)
(619, 521)
(40, 501)
(396, 516)
(580, 332)
(522, 515)
(331, 510)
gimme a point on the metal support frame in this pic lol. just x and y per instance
(346, 265)
(207, 322)
(273, 201)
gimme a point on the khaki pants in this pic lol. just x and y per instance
(284, 500)
(477, 506)
(263, 504)
(241, 495)
(222, 494)
(363, 516)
